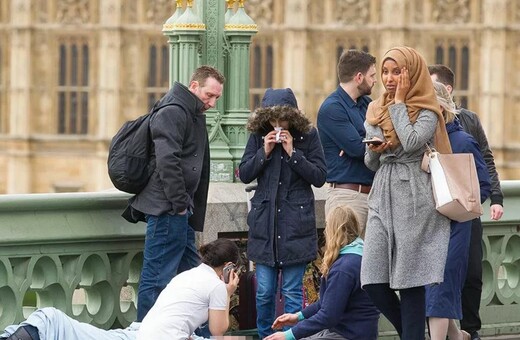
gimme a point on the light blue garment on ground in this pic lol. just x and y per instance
(53, 324)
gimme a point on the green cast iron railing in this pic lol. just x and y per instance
(75, 252)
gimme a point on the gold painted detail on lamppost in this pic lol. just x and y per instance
(240, 21)
(241, 27)
(169, 24)
(230, 3)
(182, 26)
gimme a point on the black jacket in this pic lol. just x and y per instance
(471, 124)
(282, 221)
(181, 177)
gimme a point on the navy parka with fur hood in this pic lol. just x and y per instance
(282, 221)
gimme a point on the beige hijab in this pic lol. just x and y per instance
(421, 95)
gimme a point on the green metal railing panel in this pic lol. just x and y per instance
(500, 305)
(70, 251)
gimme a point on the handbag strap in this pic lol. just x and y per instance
(429, 149)
(425, 163)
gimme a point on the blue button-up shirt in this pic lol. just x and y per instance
(340, 125)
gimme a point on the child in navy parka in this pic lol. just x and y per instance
(285, 156)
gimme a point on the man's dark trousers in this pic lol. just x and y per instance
(472, 291)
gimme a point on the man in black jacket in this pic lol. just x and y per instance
(471, 294)
(173, 203)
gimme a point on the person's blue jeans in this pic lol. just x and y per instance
(169, 249)
(267, 282)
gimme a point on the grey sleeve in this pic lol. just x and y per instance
(371, 157)
(413, 136)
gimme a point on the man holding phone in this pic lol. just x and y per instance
(340, 125)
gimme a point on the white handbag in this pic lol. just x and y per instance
(455, 184)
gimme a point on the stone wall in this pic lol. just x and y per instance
(227, 211)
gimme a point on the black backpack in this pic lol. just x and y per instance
(130, 162)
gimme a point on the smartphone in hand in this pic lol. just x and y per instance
(373, 141)
(226, 272)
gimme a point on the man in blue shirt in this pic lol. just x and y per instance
(341, 120)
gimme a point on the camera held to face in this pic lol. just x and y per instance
(278, 129)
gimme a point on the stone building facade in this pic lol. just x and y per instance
(73, 70)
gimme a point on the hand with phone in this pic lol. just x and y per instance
(226, 272)
(373, 141)
(376, 144)
(230, 277)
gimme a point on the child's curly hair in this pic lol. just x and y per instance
(259, 119)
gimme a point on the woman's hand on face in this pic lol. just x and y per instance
(269, 142)
(403, 86)
(232, 285)
(287, 141)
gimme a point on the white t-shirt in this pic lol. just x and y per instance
(183, 305)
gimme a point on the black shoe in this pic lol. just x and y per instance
(20, 334)
(475, 336)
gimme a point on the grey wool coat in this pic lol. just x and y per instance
(406, 240)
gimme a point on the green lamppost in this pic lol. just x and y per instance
(168, 29)
(238, 29)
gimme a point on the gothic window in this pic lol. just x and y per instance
(262, 64)
(455, 55)
(158, 72)
(73, 87)
(4, 11)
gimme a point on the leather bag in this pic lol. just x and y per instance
(455, 184)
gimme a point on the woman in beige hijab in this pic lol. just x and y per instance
(406, 238)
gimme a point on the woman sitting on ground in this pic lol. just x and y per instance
(344, 310)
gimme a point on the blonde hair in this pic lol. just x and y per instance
(342, 227)
(445, 101)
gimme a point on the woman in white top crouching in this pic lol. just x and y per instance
(194, 297)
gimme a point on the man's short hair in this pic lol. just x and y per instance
(444, 74)
(351, 62)
(204, 72)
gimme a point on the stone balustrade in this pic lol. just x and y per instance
(75, 252)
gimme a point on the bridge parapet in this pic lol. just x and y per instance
(75, 252)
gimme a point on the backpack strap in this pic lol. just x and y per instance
(156, 108)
